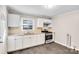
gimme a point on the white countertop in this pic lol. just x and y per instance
(25, 34)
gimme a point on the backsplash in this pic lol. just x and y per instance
(17, 30)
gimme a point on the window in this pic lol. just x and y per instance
(27, 24)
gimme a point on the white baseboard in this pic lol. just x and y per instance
(64, 45)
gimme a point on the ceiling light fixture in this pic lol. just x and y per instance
(49, 6)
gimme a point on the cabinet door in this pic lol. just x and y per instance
(13, 20)
(40, 22)
(27, 41)
(40, 39)
(18, 42)
(11, 44)
(33, 40)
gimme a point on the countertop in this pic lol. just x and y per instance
(25, 34)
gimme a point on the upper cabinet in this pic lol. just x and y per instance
(13, 20)
(27, 23)
(41, 22)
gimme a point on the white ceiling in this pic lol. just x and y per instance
(39, 10)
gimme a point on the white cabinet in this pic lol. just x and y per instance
(21, 42)
(27, 41)
(33, 40)
(13, 20)
(39, 39)
(42, 38)
(11, 43)
(18, 42)
(14, 43)
(39, 22)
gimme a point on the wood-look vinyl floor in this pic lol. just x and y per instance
(52, 48)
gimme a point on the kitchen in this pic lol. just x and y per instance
(23, 29)
(24, 32)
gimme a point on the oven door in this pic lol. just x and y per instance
(49, 37)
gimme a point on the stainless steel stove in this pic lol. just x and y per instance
(48, 36)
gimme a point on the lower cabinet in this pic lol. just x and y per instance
(38, 39)
(27, 41)
(21, 42)
(33, 40)
(11, 43)
(18, 43)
